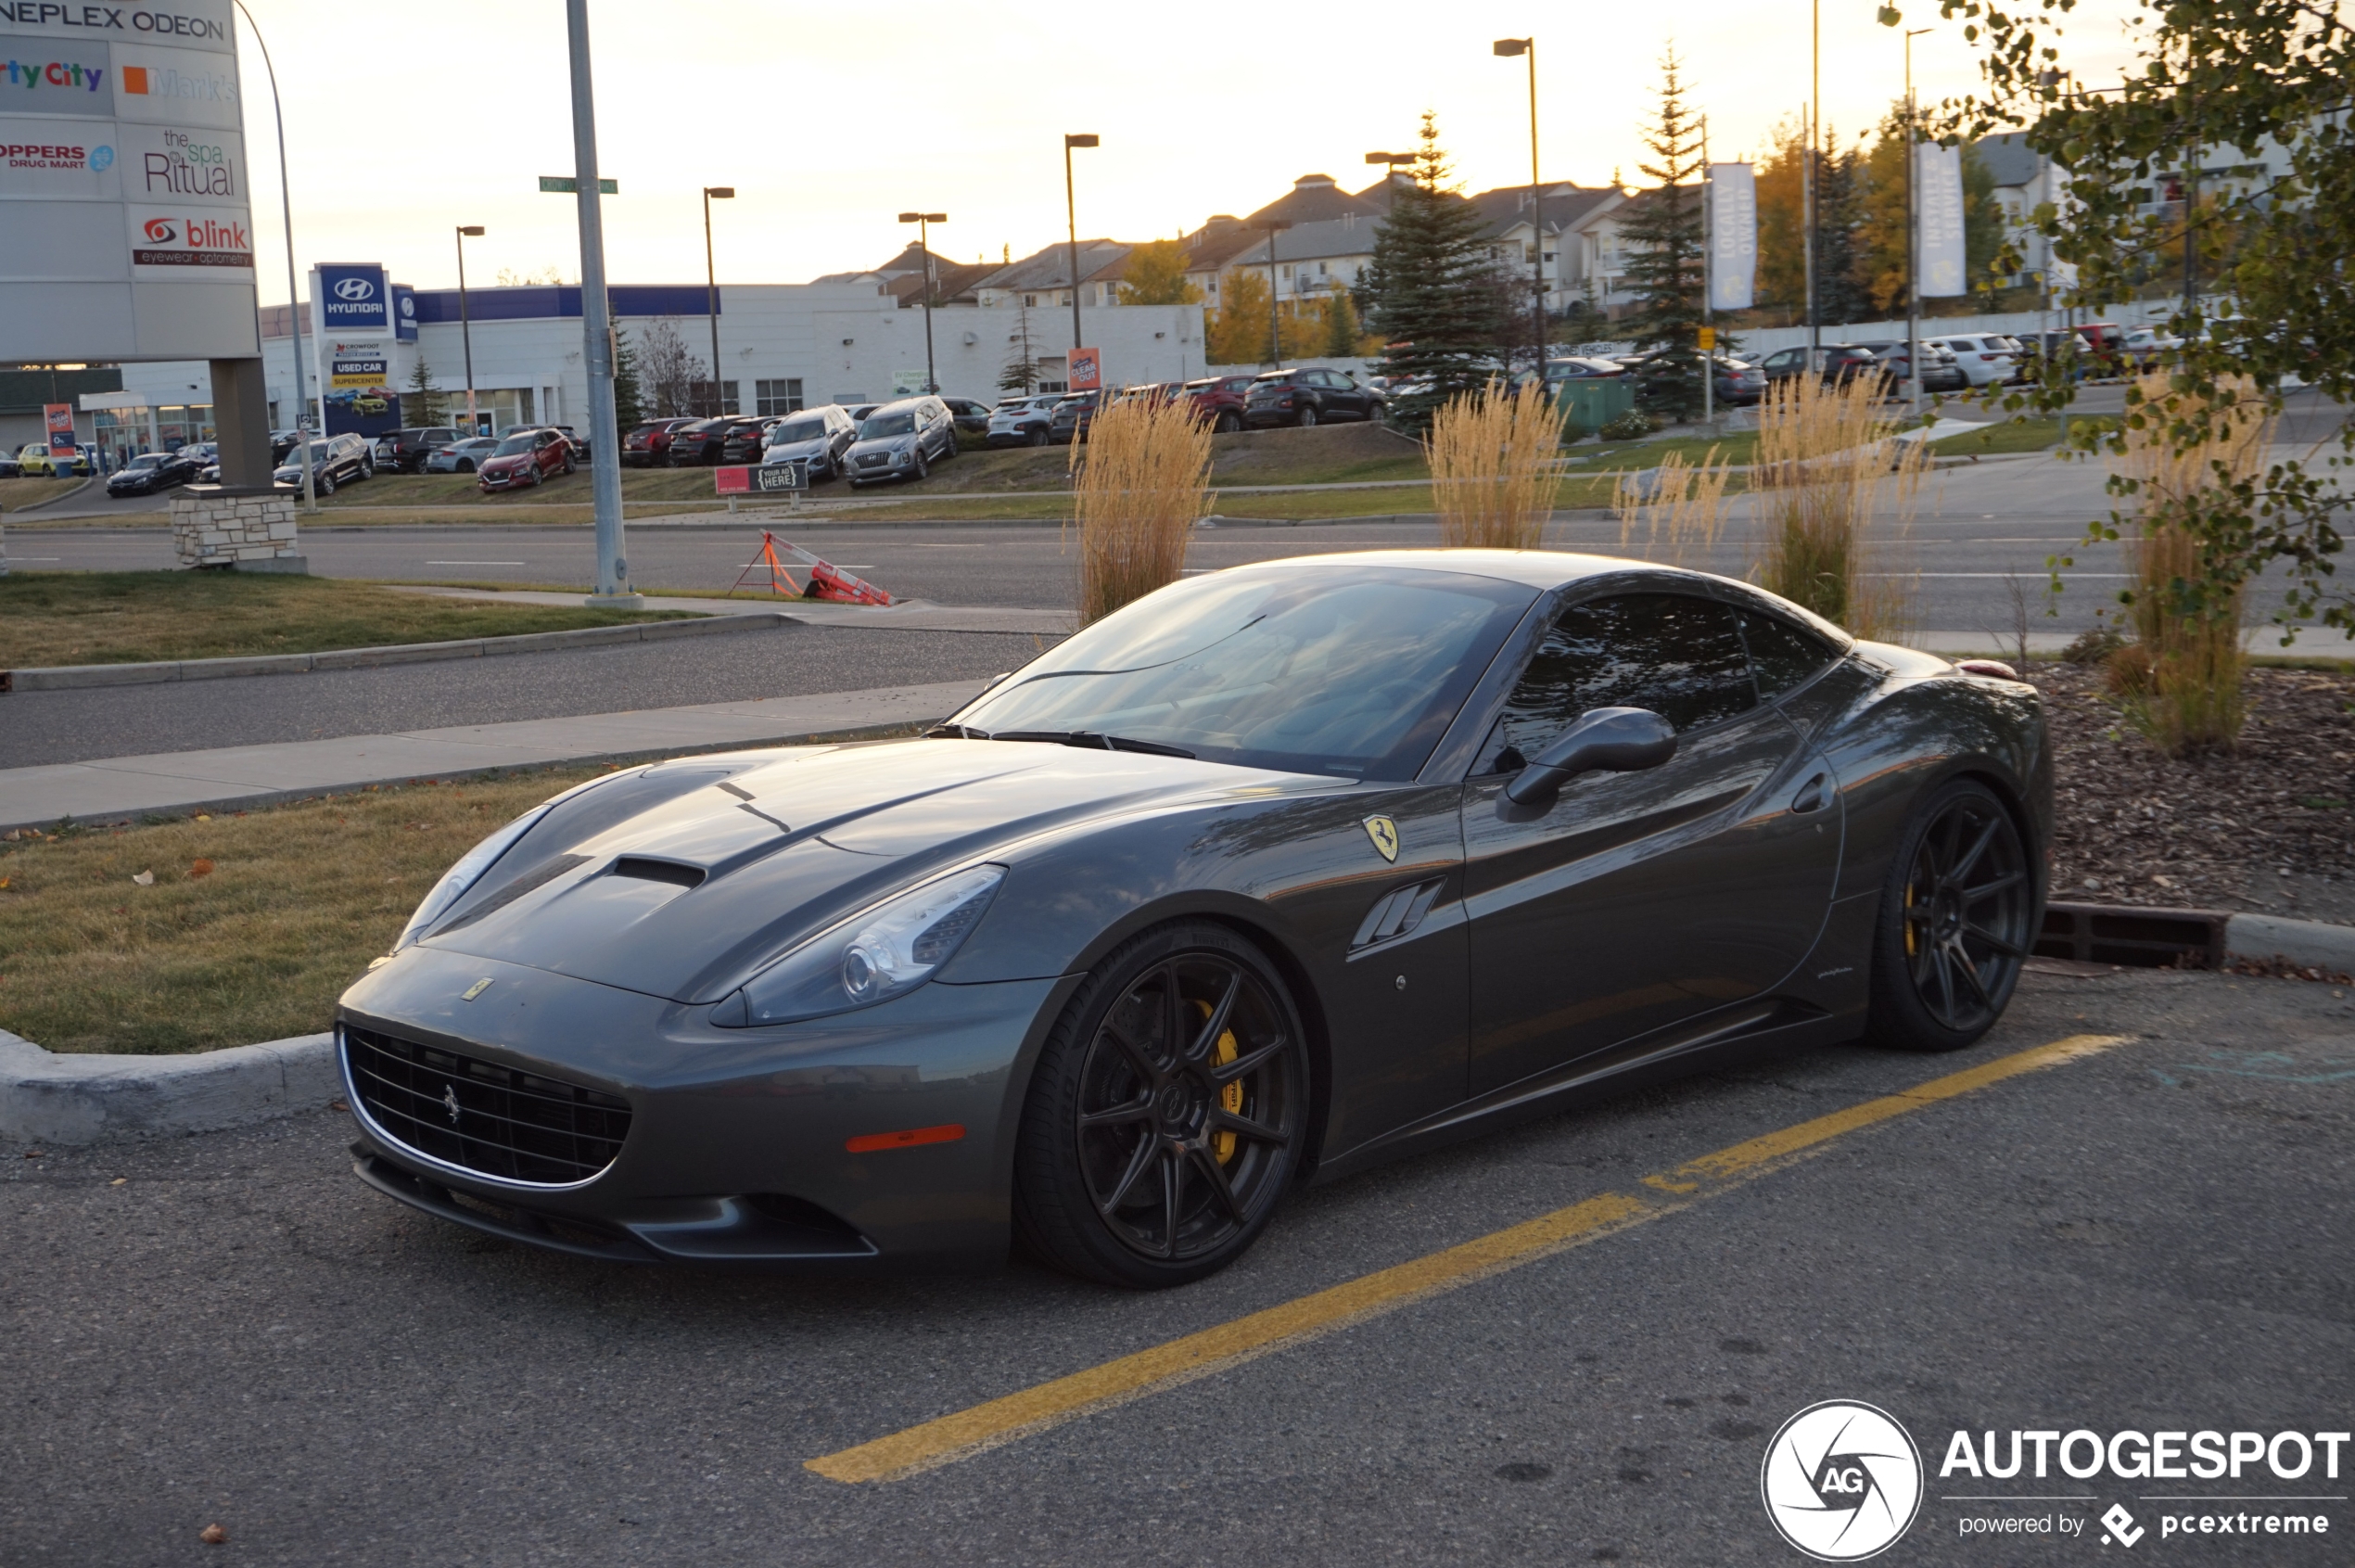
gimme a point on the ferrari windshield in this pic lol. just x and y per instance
(1327, 668)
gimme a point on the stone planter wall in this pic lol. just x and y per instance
(223, 529)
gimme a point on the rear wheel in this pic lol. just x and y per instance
(1167, 1113)
(324, 482)
(1227, 422)
(1957, 918)
(1307, 415)
(924, 469)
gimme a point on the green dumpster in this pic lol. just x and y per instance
(1588, 403)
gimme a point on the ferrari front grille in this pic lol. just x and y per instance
(481, 1116)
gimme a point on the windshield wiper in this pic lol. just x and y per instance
(1089, 740)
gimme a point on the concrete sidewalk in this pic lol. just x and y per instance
(245, 776)
(908, 614)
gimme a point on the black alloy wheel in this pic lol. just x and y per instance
(569, 463)
(1958, 917)
(1167, 1113)
(324, 482)
(924, 469)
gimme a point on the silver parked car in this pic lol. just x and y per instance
(901, 440)
(461, 457)
(816, 436)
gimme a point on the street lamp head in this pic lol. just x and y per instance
(1508, 47)
(472, 230)
(1084, 141)
(720, 193)
(912, 217)
(1273, 225)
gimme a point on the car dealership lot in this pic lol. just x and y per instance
(231, 1329)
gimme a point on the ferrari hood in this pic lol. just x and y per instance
(681, 879)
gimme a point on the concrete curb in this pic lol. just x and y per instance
(66, 677)
(70, 1099)
(2310, 943)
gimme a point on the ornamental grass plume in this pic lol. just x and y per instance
(1492, 474)
(1138, 488)
(2182, 678)
(1680, 506)
(1834, 493)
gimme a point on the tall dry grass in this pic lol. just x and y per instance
(1679, 508)
(2182, 677)
(1139, 486)
(1492, 473)
(1827, 463)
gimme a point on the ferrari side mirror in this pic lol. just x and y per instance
(1609, 740)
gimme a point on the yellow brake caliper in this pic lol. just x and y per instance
(1231, 1097)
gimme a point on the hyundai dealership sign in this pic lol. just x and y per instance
(126, 230)
(353, 297)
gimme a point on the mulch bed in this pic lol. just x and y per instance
(2137, 827)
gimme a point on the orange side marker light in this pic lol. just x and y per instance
(870, 1143)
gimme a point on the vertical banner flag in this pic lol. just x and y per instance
(1938, 183)
(58, 417)
(1086, 369)
(1733, 237)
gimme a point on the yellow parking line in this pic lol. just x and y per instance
(969, 1432)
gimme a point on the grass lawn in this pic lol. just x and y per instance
(2006, 435)
(254, 924)
(26, 492)
(127, 617)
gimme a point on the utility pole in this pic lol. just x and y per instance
(1274, 339)
(1814, 136)
(924, 222)
(1507, 47)
(711, 293)
(1913, 237)
(294, 289)
(466, 325)
(1070, 214)
(596, 328)
(1708, 322)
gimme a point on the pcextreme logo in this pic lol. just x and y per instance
(1841, 1481)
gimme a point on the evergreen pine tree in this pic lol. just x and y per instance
(1020, 375)
(1843, 291)
(422, 402)
(629, 397)
(1665, 271)
(1342, 333)
(1433, 293)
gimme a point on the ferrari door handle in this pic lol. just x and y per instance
(1811, 796)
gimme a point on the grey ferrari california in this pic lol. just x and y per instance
(1277, 874)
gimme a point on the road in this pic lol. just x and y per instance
(230, 1329)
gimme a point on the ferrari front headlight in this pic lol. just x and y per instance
(877, 954)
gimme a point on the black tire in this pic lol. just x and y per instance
(1167, 1113)
(1038, 436)
(1958, 915)
(1307, 420)
(569, 463)
(368, 467)
(466, 466)
(1227, 423)
(324, 482)
(924, 469)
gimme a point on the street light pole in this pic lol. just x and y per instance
(596, 328)
(1507, 47)
(1275, 340)
(1913, 238)
(1070, 214)
(924, 222)
(711, 292)
(1815, 136)
(466, 325)
(294, 289)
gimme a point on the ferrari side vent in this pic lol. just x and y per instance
(478, 1115)
(646, 870)
(1396, 913)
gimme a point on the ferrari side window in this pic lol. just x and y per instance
(1783, 656)
(1682, 657)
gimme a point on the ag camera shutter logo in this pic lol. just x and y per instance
(1841, 1481)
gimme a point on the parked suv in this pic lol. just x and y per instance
(1219, 399)
(1835, 362)
(1306, 398)
(405, 451)
(901, 440)
(336, 460)
(648, 446)
(1071, 418)
(816, 437)
(1023, 421)
(1986, 360)
(1940, 373)
(697, 441)
(527, 457)
(743, 439)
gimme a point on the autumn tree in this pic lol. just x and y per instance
(1155, 275)
(673, 376)
(1880, 230)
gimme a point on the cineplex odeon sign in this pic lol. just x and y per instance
(1843, 1481)
(126, 230)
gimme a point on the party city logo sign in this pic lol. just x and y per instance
(51, 77)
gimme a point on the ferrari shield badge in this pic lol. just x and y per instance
(1385, 833)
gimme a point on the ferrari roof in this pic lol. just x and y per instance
(1537, 568)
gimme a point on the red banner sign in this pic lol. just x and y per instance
(1086, 369)
(59, 418)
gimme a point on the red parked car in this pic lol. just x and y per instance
(648, 446)
(1220, 400)
(526, 457)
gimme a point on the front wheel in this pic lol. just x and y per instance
(1957, 918)
(924, 469)
(1167, 1114)
(568, 464)
(1227, 423)
(324, 482)
(1307, 419)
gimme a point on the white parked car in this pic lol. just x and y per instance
(2147, 343)
(1986, 359)
(1023, 421)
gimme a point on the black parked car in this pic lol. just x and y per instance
(337, 460)
(698, 444)
(744, 438)
(405, 452)
(1071, 418)
(153, 471)
(1941, 371)
(972, 417)
(1836, 363)
(1308, 397)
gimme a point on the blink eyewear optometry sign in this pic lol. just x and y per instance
(125, 214)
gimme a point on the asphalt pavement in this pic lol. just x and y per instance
(80, 725)
(231, 1330)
